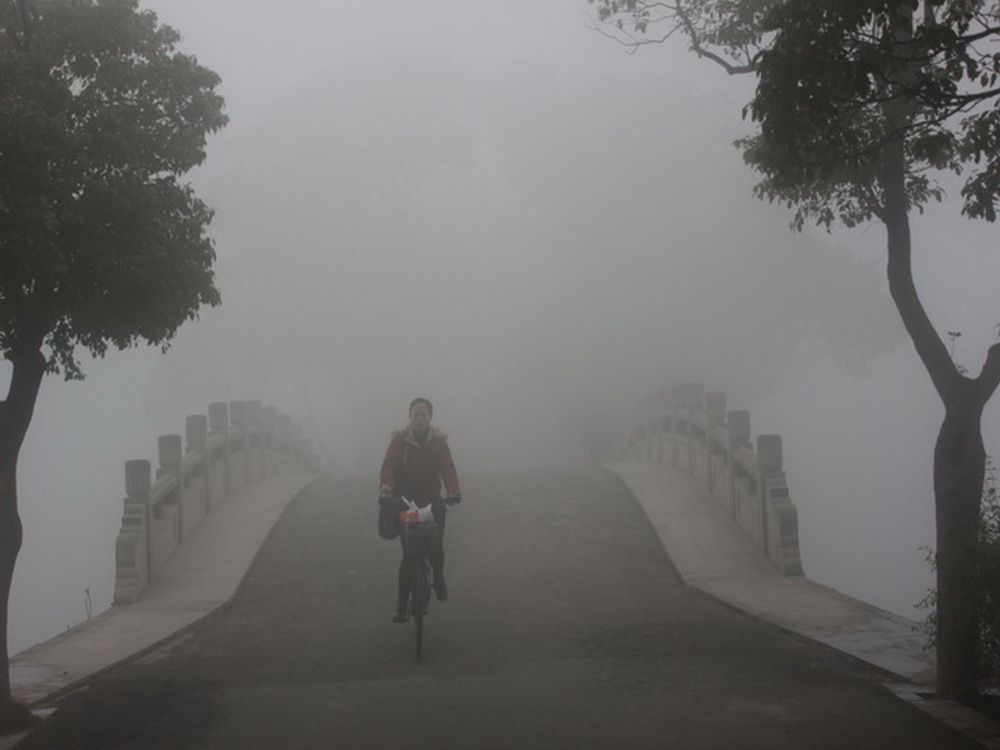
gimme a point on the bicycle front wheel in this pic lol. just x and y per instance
(418, 599)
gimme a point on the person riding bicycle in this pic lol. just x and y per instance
(416, 463)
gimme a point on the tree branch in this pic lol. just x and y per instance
(731, 69)
(989, 377)
(17, 409)
(630, 42)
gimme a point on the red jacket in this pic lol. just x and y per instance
(416, 470)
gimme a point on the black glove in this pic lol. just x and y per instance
(385, 499)
(454, 499)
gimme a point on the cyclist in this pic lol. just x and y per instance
(417, 462)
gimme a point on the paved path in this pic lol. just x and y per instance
(568, 628)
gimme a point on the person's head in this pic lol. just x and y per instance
(421, 411)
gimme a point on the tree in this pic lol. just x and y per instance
(100, 243)
(860, 106)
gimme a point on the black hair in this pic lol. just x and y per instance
(420, 400)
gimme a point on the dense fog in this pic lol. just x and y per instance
(496, 207)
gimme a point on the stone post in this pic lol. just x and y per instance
(769, 454)
(715, 408)
(133, 548)
(269, 421)
(283, 443)
(238, 414)
(255, 415)
(196, 435)
(218, 417)
(218, 424)
(257, 462)
(676, 401)
(138, 478)
(283, 426)
(299, 445)
(692, 396)
(268, 438)
(715, 416)
(313, 462)
(782, 517)
(738, 422)
(239, 420)
(769, 462)
(171, 454)
(738, 426)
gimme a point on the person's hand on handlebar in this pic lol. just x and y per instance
(454, 498)
(385, 499)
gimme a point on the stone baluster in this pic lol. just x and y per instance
(282, 443)
(238, 414)
(196, 436)
(769, 464)
(239, 419)
(694, 397)
(715, 408)
(269, 422)
(196, 433)
(255, 428)
(738, 426)
(715, 416)
(133, 547)
(299, 446)
(171, 454)
(218, 424)
(738, 422)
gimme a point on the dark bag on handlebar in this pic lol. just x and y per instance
(389, 524)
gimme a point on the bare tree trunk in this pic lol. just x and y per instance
(15, 416)
(959, 454)
(959, 468)
(10, 545)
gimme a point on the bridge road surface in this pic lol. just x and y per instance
(567, 628)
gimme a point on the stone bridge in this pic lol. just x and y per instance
(685, 428)
(656, 600)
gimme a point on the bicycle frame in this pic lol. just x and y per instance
(416, 540)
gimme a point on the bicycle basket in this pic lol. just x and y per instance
(417, 522)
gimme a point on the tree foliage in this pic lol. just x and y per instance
(100, 242)
(842, 79)
(728, 32)
(829, 73)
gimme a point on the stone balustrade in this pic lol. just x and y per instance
(692, 431)
(236, 444)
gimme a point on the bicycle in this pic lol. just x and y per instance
(418, 528)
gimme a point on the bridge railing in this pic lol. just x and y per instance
(692, 431)
(235, 445)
